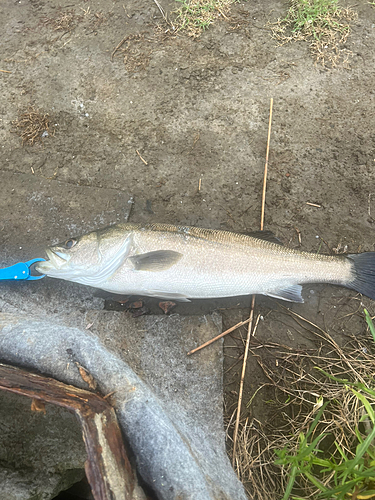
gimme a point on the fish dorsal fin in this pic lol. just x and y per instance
(266, 236)
(156, 261)
(291, 294)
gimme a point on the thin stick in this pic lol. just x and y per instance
(144, 161)
(261, 228)
(313, 204)
(299, 235)
(161, 11)
(241, 323)
(4, 71)
(118, 46)
(235, 434)
(256, 326)
(222, 13)
(266, 167)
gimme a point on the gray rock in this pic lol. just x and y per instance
(174, 421)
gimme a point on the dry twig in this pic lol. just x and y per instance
(241, 323)
(313, 204)
(266, 167)
(162, 12)
(239, 405)
(253, 298)
(139, 154)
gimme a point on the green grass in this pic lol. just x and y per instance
(340, 474)
(311, 14)
(195, 16)
(322, 22)
(370, 324)
(353, 477)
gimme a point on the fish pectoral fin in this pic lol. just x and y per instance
(180, 297)
(291, 294)
(160, 260)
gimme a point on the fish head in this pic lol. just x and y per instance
(89, 259)
(74, 258)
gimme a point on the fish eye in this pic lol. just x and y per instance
(70, 243)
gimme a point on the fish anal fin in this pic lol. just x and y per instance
(266, 236)
(156, 261)
(291, 294)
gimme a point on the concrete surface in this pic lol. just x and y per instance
(172, 419)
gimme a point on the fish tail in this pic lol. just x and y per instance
(363, 273)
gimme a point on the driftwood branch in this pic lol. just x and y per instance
(107, 467)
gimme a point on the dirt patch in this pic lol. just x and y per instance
(136, 52)
(196, 112)
(32, 125)
(64, 21)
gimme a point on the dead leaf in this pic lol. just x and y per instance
(87, 377)
(167, 306)
(136, 305)
(37, 405)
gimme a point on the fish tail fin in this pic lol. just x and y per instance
(363, 273)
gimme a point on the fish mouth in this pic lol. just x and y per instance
(57, 261)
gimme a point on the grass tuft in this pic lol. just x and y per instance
(321, 22)
(195, 16)
(319, 442)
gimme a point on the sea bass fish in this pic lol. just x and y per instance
(182, 263)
